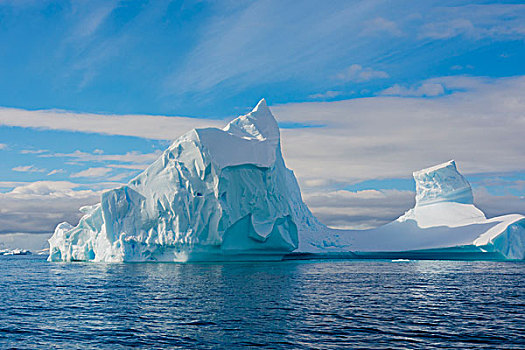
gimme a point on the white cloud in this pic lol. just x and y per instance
(46, 188)
(425, 89)
(358, 210)
(357, 73)
(363, 138)
(134, 166)
(39, 206)
(495, 21)
(137, 159)
(480, 124)
(327, 94)
(448, 29)
(10, 184)
(122, 176)
(260, 42)
(92, 172)
(90, 18)
(458, 67)
(371, 208)
(274, 41)
(498, 205)
(56, 171)
(22, 240)
(33, 151)
(153, 127)
(3, 146)
(380, 26)
(28, 169)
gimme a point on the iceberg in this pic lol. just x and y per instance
(226, 194)
(214, 194)
(10, 252)
(444, 223)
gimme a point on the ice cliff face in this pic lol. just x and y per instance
(442, 183)
(443, 198)
(213, 195)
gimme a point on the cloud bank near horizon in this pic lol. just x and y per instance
(477, 121)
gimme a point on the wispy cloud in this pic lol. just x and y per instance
(239, 48)
(3, 146)
(56, 171)
(381, 26)
(358, 73)
(89, 18)
(122, 176)
(268, 41)
(425, 89)
(327, 94)
(153, 127)
(33, 151)
(495, 21)
(134, 158)
(458, 67)
(92, 172)
(28, 169)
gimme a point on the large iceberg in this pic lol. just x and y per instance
(444, 223)
(212, 195)
(226, 194)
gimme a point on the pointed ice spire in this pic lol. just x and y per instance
(259, 123)
(261, 106)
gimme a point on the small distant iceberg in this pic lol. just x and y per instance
(226, 194)
(44, 251)
(10, 252)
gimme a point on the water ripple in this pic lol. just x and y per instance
(288, 305)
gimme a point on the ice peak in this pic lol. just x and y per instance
(450, 163)
(258, 124)
(261, 105)
(442, 183)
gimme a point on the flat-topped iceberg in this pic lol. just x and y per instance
(443, 224)
(212, 195)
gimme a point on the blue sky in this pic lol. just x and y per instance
(91, 91)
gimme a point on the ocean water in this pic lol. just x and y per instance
(282, 305)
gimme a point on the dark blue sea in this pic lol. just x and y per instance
(338, 304)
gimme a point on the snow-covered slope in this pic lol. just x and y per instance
(444, 218)
(212, 195)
